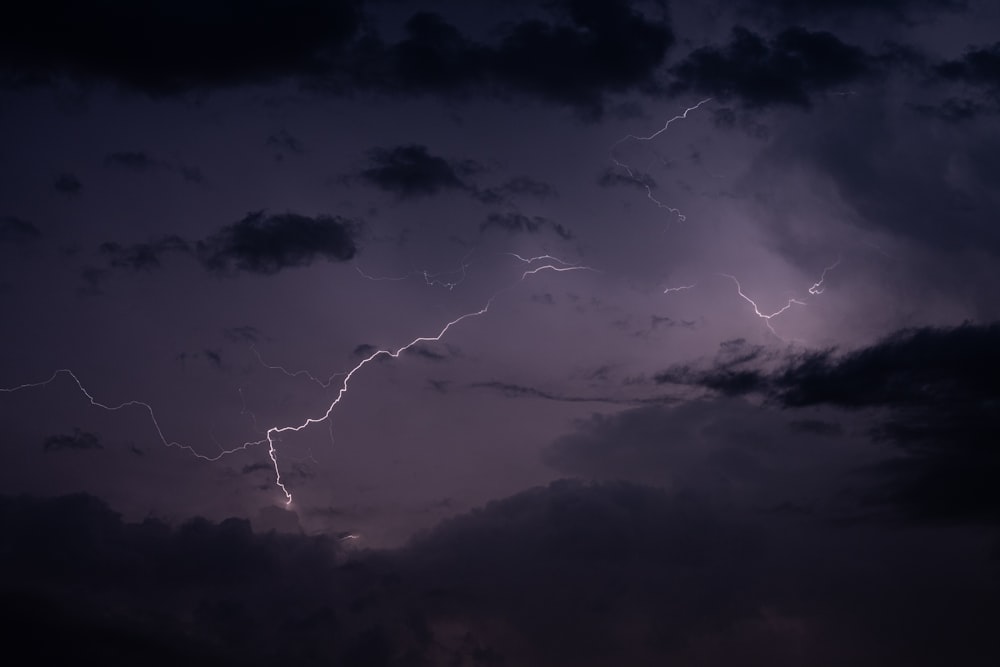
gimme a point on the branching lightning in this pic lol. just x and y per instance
(680, 288)
(553, 264)
(756, 309)
(631, 174)
(817, 287)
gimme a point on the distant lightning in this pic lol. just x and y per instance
(766, 317)
(628, 170)
(433, 279)
(817, 287)
(273, 433)
(681, 288)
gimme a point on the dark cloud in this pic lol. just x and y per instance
(585, 50)
(67, 184)
(283, 143)
(135, 160)
(785, 70)
(979, 66)
(612, 177)
(242, 334)
(574, 54)
(78, 440)
(520, 186)
(143, 256)
(411, 171)
(266, 244)
(806, 8)
(931, 393)
(513, 222)
(140, 161)
(165, 47)
(429, 353)
(568, 574)
(511, 390)
(17, 231)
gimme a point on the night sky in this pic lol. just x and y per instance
(579, 332)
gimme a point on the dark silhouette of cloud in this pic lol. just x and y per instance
(164, 47)
(513, 222)
(266, 244)
(135, 160)
(556, 575)
(143, 256)
(67, 184)
(574, 55)
(78, 440)
(786, 70)
(612, 177)
(17, 231)
(933, 397)
(411, 171)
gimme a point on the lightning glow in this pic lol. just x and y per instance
(628, 170)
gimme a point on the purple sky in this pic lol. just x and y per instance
(763, 324)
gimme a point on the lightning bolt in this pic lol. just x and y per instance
(430, 278)
(681, 288)
(274, 432)
(628, 170)
(756, 309)
(817, 287)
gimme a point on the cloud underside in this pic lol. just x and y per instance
(569, 574)
(573, 54)
(931, 392)
(259, 243)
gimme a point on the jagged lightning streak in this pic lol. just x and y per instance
(274, 432)
(817, 287)
(767, 318)
(679, 288)
(628, 170)
(431, 279)
(131, 403)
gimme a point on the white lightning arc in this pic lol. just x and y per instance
(557, 265)
(817, 287)
(756, 309)
(430, 278)
(628, 170)
(680, 288)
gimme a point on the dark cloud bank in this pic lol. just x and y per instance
(570, 574)
(930, 393)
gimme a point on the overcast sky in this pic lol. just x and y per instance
(577, 332)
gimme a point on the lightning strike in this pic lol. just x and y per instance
(678, 289)
(817, 287)
(628, 170)
(430, 278)
(767, 318)
(273, 433)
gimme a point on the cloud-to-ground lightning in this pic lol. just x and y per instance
(631, 174)
(556, 265)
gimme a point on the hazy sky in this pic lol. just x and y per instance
(579, 332)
